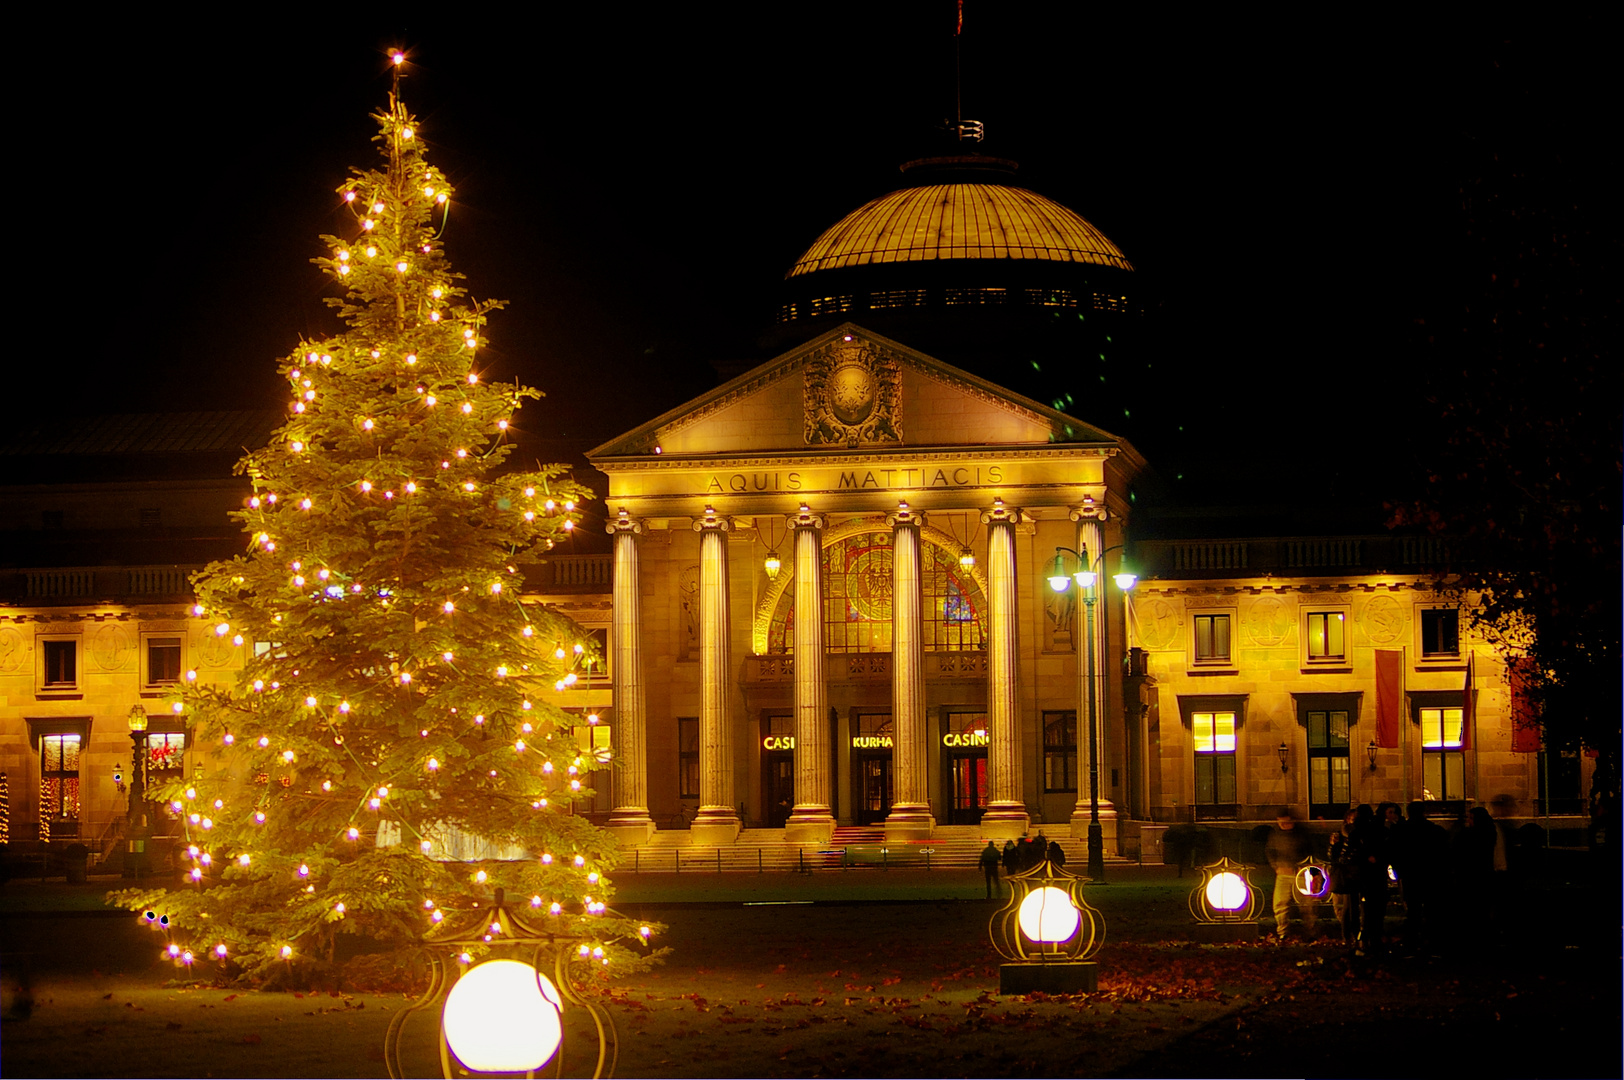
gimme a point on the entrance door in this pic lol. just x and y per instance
(873, 789)
(778, 769)
(969, 778)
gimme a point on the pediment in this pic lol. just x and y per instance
(851, 389)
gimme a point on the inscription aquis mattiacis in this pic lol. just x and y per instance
(882, 479)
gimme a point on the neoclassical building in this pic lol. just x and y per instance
(830, 599)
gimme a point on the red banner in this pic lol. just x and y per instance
(1389, 695)
(1525, 726)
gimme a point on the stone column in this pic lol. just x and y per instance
(810, 822)
(910, 817)
(718, 821)
(629, 822)
(1091, 538)
(1006, 816)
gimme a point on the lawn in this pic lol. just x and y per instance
(852, 985)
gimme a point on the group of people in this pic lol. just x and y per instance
(1016, 857)
(1377, 851)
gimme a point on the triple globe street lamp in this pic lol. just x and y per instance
(1086, 575)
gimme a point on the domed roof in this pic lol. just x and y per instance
(959, 221)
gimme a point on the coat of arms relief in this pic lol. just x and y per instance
(852, 395)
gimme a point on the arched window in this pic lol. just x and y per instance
(857, 599)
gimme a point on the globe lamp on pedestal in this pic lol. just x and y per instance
(1049, 933)
(1225, 903)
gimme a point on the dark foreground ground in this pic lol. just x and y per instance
(882, 974)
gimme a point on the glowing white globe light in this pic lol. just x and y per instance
(1313, 881)
(1047, 914)
(503, 1016)
(1226, 892)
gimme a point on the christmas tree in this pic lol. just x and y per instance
(392, 753)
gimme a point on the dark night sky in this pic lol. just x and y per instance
(636, 183)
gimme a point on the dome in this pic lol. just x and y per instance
(959, 221)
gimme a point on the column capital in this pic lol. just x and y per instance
(624, 523)
(711, 522)
(903, 516)
(1002, 515)
(804, 518)
(1089, 511)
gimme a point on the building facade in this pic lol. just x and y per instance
(919, 511)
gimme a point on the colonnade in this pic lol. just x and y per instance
(811, 819)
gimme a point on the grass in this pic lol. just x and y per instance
(849, 986)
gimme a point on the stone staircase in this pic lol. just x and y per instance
(950, 847)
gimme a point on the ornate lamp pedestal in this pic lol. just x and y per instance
(1225, 904)
(1048, 932)
(504, 1013)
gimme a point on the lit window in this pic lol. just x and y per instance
(165, 756)
(58, 786)
(1325, 635)
(857, 599)
(1443, 754)
(1214, 736)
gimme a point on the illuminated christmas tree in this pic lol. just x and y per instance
(391, 754)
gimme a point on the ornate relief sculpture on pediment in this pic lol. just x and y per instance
(853, 395)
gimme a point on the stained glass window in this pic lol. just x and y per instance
(857, 581)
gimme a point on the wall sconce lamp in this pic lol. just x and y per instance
(1285, 756)
(1370, 754)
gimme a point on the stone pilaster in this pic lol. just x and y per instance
(629, 822)
(1006, 815)
(810, 822)
(910, 817)
(718, 820)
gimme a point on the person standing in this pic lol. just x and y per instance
(1344, 857)
(990, 861)
(1426, 856)
(1372, 877)
(1285, 849)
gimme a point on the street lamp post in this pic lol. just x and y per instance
(135, 836)
(1087, 674)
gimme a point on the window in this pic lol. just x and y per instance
(59, 785)
(688, 757)
(857, 579)
(163, 659)
(598, 665)
(1443, 753)
(1560, 790)
(166, 760)
(59, 664)
(1440, 634)
(1214, 734)
(1330, 787)
(1060, 751)
(1212, 639)
(1325, 638)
